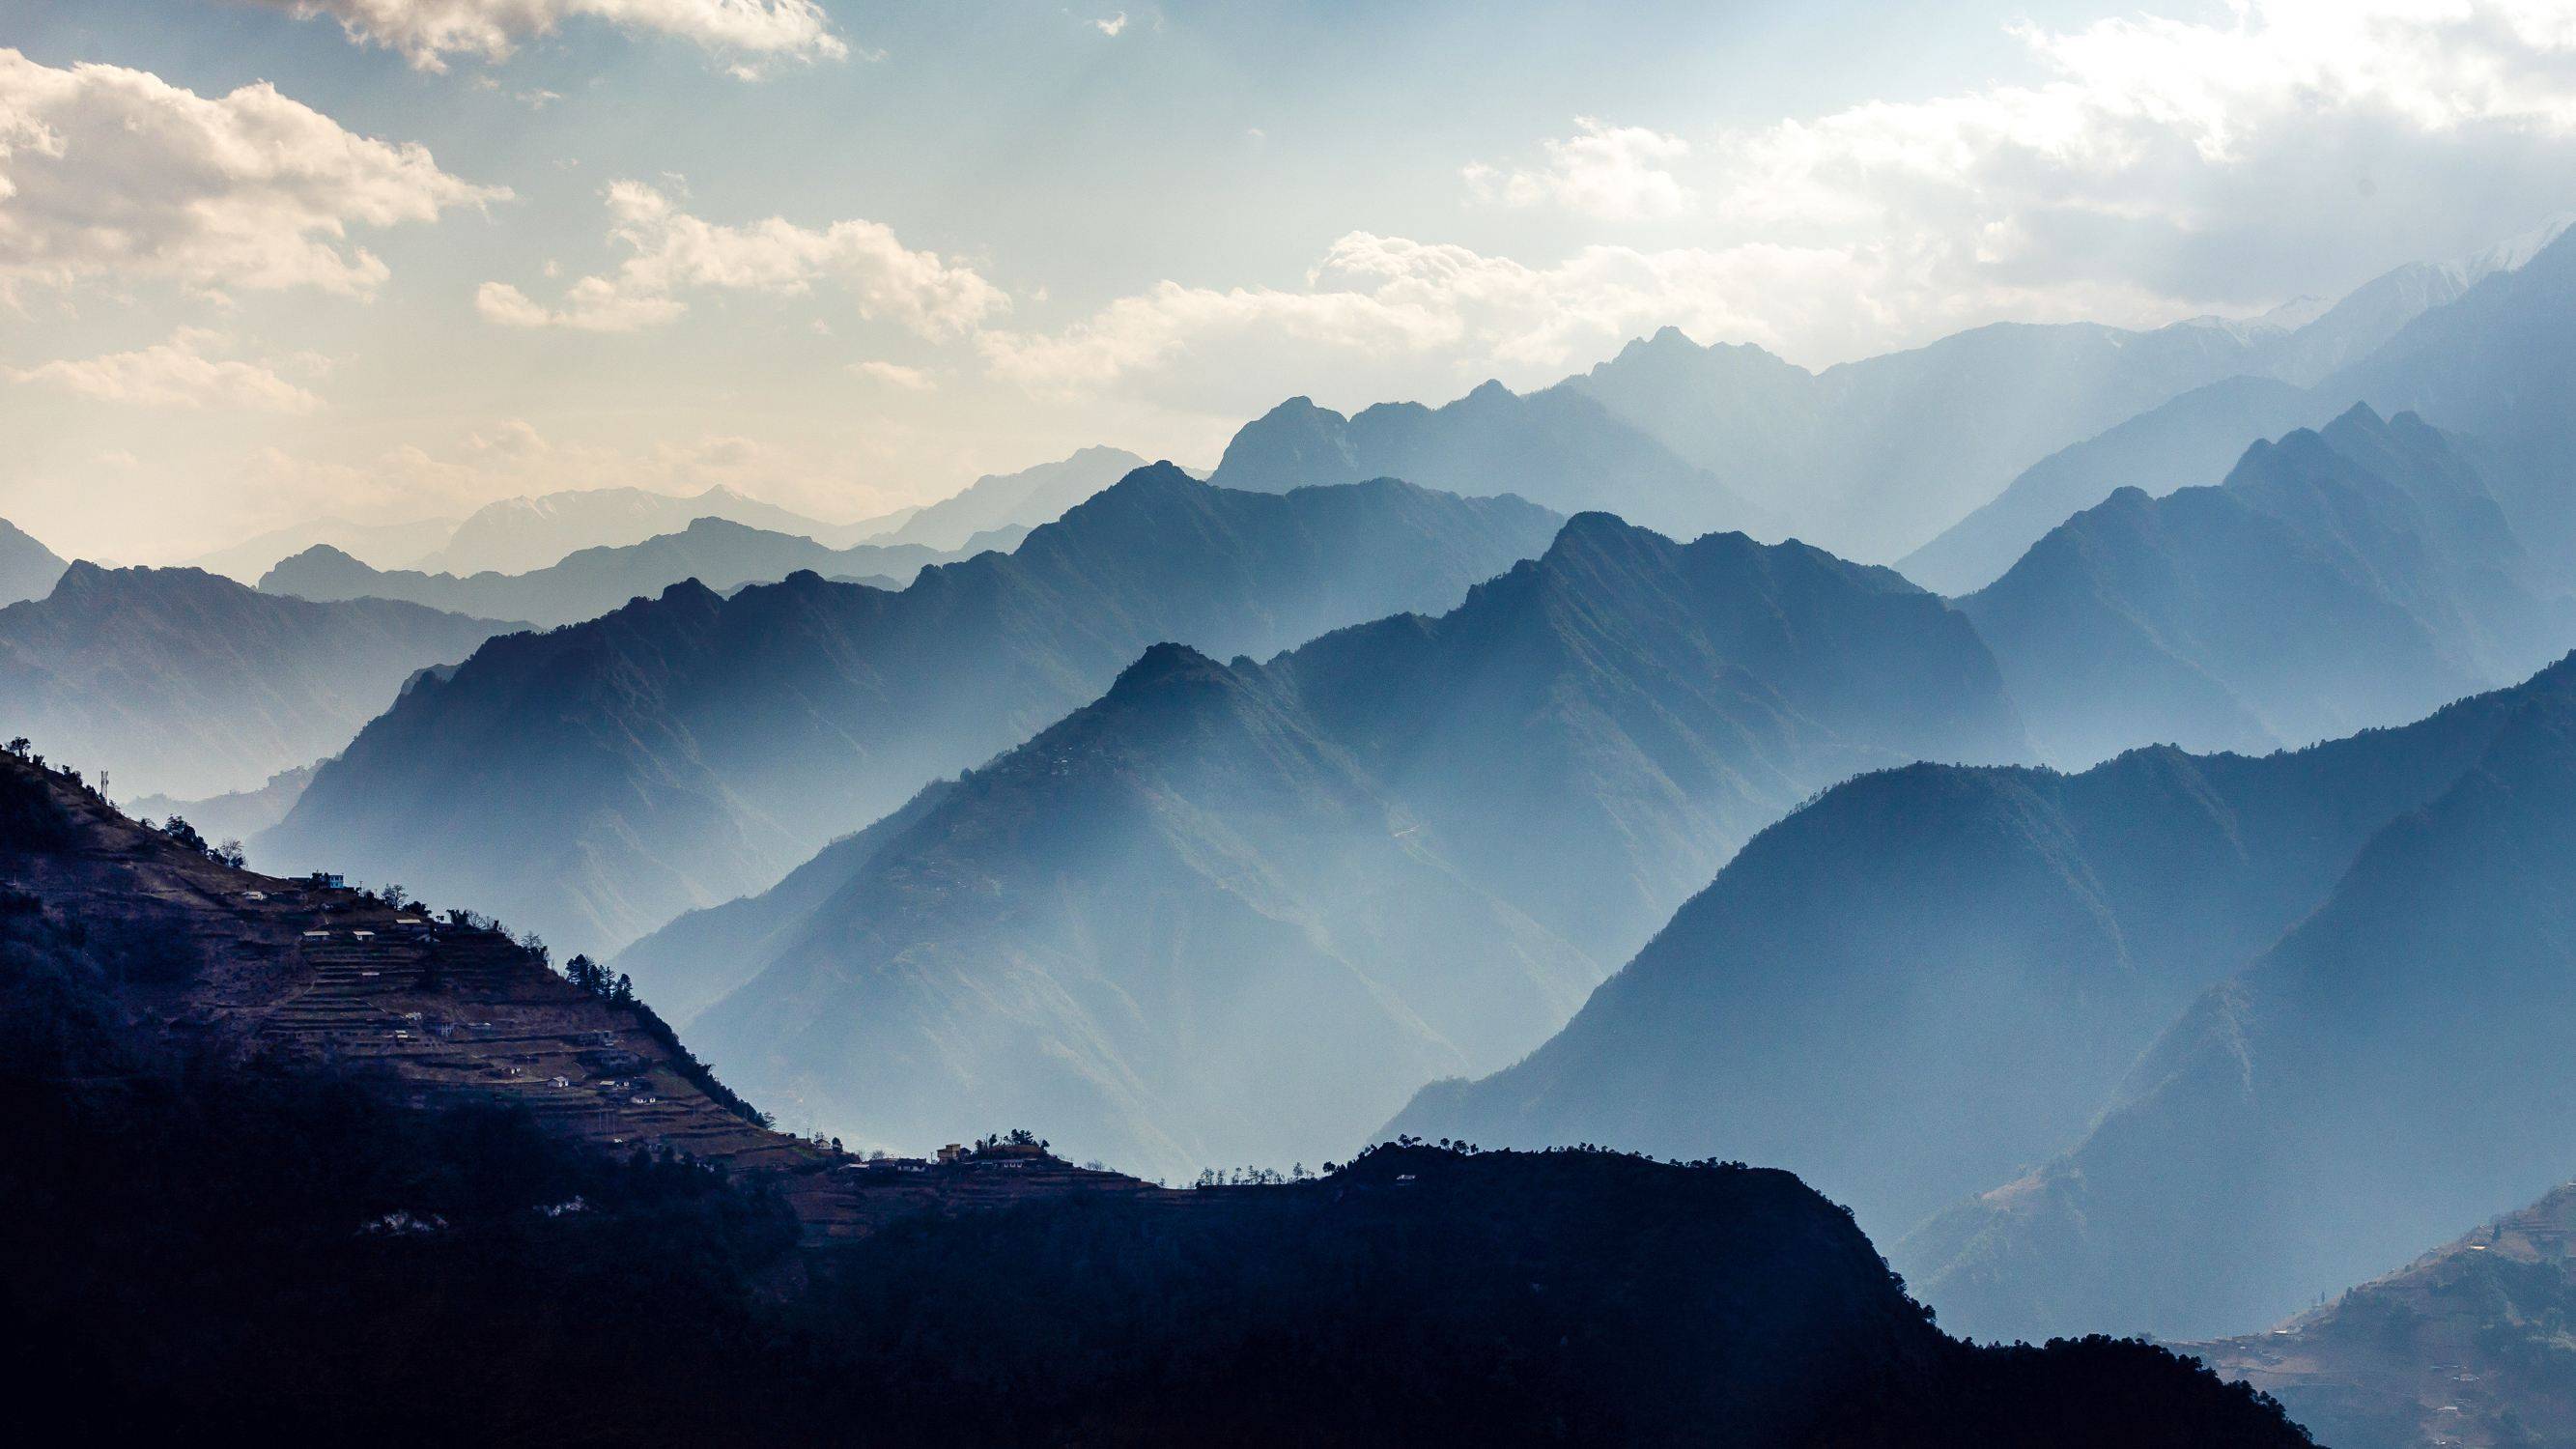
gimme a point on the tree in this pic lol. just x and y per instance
(21, 747)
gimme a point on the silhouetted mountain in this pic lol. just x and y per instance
(1238, 912)
(519, 535)
(28, 569)
(1558, 447)
(1026, 499)
(506, 1218)
(1873, 458)
(594, 782)
(1933, 975)
(2354, 577)
(2394, 1067)
(2309, 375)
(2466, 1345)
(186, 683)
(723, 556)
(381, 545)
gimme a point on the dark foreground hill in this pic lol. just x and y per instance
(593, 782)
(467, 1268)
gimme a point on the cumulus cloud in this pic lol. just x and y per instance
(1112, 25)
(427, 32)
(1615, 173)
(112, 172)
(675, 252)
(175, 374)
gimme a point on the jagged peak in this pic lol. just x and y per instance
(1159, 665)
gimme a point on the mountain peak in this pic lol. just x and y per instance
(1159, 665)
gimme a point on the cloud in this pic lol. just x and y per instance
(676, 252)
(427, 32)
(2159, 169)
(1615, 173)
(173, 374)
(109, 172)
(894, 374)
(1113, 25)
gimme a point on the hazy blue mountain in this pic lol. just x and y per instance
(28, 569)
(519, 535)
(1934, 975)
(594, 782)
(234, 815)
(2339, 579)
(1236, 912)
(724, 556)
(2394, 1067)
(1558, 447)
(185, 683)
(2193, 438)
(2301, 378)
(1873, 458)
(2465, 1345)
(382, 545)
(1026, 499)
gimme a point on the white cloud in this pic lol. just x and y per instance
(1615, 173)
(2163, 168)
(427, 32)
(1113, 25)
(174, 374)
(893, 374)
(106, 171)
(676, 252)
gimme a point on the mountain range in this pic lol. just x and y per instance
(2358, 576)
(1238, 911)
(2395, 343)
(1022, 500)
(185, 683)
(595, 781)
(2393, 1066)
(382, 545)
(28, 569)
(1933, 975)
(722, 555)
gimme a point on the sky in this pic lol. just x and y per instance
(266, 260)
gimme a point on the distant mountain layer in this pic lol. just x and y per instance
(723, 556)
(1026, 499)
(2337, 580)
(1237, 912)
(1560, 448)
(2394, 1066)
(1934, 975)
(28, 569)
(187, 684)
(238, 815)
(519, 535)
(2475, 345)
(2465, 1345)
(594, 782)
(383, 545)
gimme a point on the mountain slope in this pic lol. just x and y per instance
(1931, 975)
(2466, 1345)
(187, 684)
(2394, 1067)
(520, 535)
(28, 569)
(594, 782)
(2400, 583)
(1558, 448)
(383, 545)
(1026, 499)
(722, 555)
(1239, 911)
